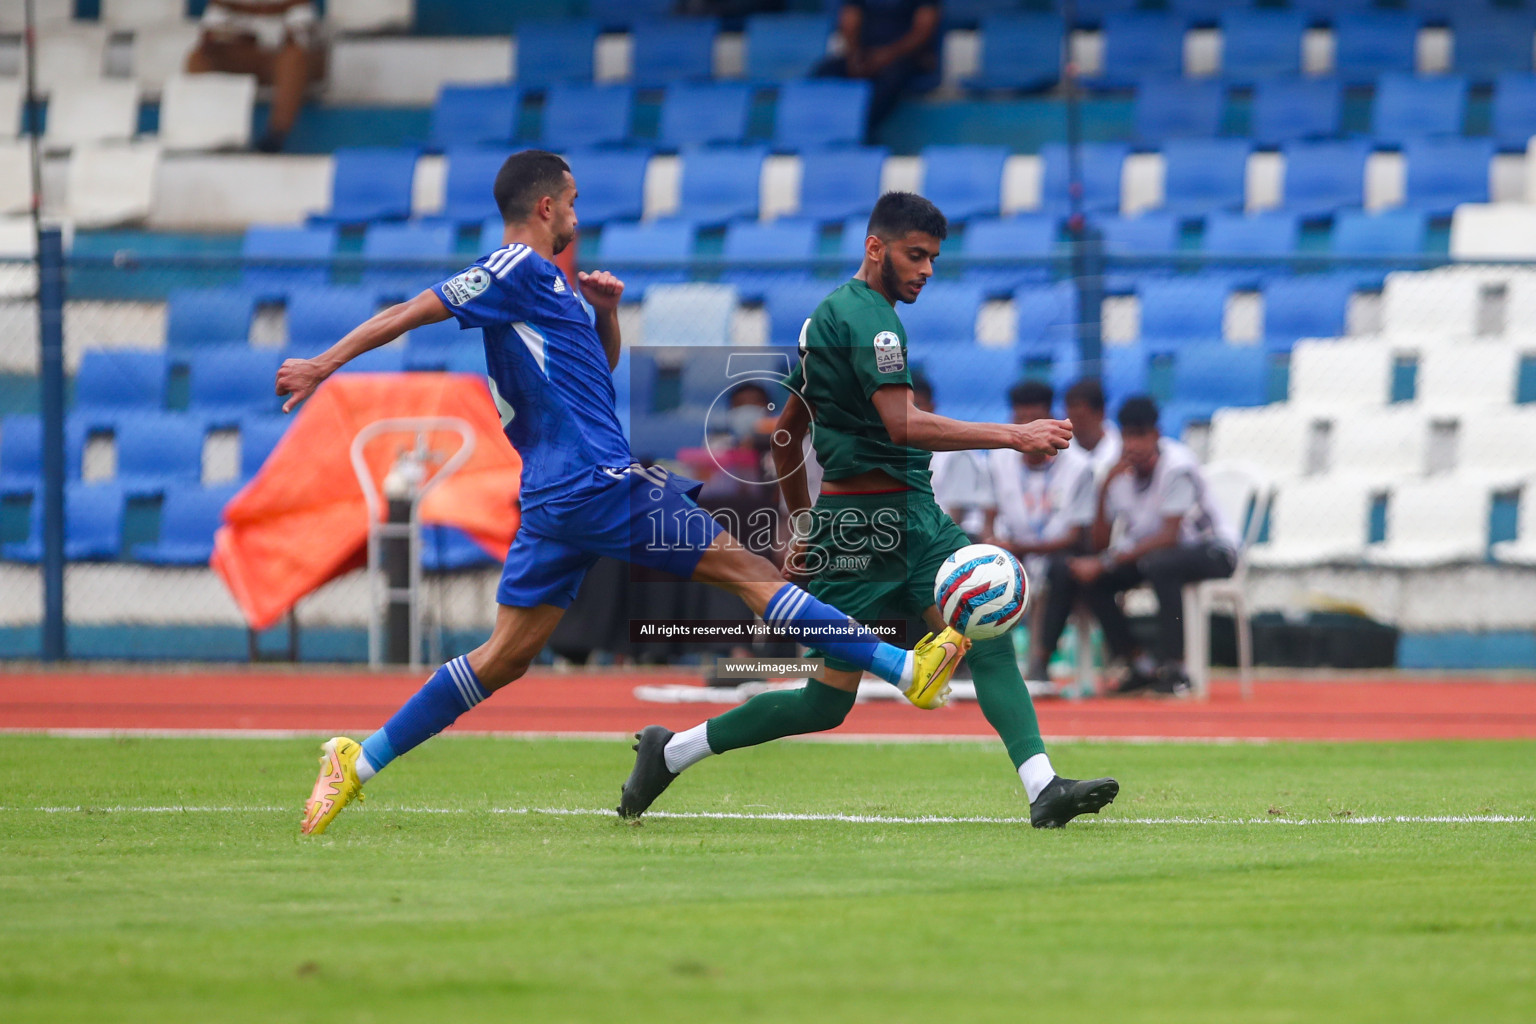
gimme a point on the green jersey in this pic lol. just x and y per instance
(853, 344)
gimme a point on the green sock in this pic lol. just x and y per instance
(1004, 698)
(816, 707)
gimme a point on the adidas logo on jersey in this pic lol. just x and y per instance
(559, 285)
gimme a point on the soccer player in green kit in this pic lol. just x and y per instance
(876, 537)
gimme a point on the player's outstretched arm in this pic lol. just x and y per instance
(603, 291)
(298, 378)
(911, 426)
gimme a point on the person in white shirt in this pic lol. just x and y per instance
(1155, 523)
(1092, 434)
(962, 484)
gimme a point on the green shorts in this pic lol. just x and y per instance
(875, 556)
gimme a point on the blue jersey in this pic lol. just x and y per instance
(548, 371)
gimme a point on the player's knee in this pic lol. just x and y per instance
(826, 706)
(992, 649)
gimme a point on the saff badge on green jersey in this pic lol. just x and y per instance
(889, 358)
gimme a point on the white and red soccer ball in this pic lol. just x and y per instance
(981, 590)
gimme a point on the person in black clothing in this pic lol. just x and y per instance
(890, 43)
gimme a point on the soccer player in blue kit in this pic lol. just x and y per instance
(550, 366)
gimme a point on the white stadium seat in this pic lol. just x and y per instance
(92, 110)
(1316, 522)
(161, 54)
(13, 14)
(1494, 231)
(1274, 438)
(1437, 303)
(687, 314)
(139, 14)
(1380, 445)
(1438, 521)
(18, 241)
(1468, 376)
(15, 177)
(1240, 490)
(1499, 444)
(69, 54)
(369, 15)
(111, 184)
(11, 100)
(207, 111)
(1341, 374)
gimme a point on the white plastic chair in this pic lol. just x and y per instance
(1316, 522)
(15, 178)
(10, 108)
(1434, 303)
(13, 16)
(1274, 439)
(1238, 490)
(688, 314)
(1440, 521)
(207, 111)
(1341, 374)
(1498, 445)
(369, 15)
(111, 184)
(160, 54)
(137, 14)
(1469, 376)
(1380, 444)
(94, 110)
(67, 54)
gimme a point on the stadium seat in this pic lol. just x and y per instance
(611, 184)
(1287, 109)
(820, 112)
(1274, 439)
(982, 377)
(467, 188)
(661, 435)
(785, 46)
(1124, 373)
(91, 110)
(189, 517)
(441, 345)
(108, 184)
(1434, 522)
(1335, 375)
(789, 303)
(1380, 445)
(1409, 107)
(1015, 250)
(1153, 233)
(688, 315)
(850, 244)
(408, 258)
(1207, 377)
(1373, 43)
(647, 254)
(1473, 375)
(945, 314)
(158, 448)
(15, 175)
(492, 233)
(472, 115)
(576, 116)
(549, 53)
(1203, 175)
(623, 15)
(358, 16)
(1490, 44)
(964, 181)
(1514, 110)
(1305, 306)
(258, 436)
(721, 185)
(1256, 234)
(161, 55)
(93, 525)
(1316, 522)
(1443, 173)
(320, 317)
(206, 111)
(1493, 443)
(390, 359)
(1140, 45)
(758, 254)
(841, 182)
(231, 382)
(668, 50)
(1261, 44)
(281, 258)
(1047, 315)
(1178, 108)
(197, 317)
(1182, 310)
(698, 113)
(69, 54)
(1099, 166)
(121, 379)
(1019, 51)
(371, 184)
(1386, 233)
(1435, 303)
(1322, 178)
(21, 454)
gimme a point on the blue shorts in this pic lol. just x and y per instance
(643, 516)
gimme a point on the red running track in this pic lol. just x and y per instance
(323, 701)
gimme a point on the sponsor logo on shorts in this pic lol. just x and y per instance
(889, 358)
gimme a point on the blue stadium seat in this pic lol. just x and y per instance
(787, 246)
(412, 257)
(258, 436)
(1514, 110)
(1209, 377)
(390, 359)
(1140, 45)
(1409, 107)
(789, 304)
(697, 113)
(721, 185)
(446, 548)
(196, 317)
(1093, 12)
(944, 314)
(969, 13)
(976, 380)
(1489, 44)
(1443, 173)
(622, 15)
(661, 435)
(21, 454)
(371, 183)
(1202, 12)
(577, 116)
(850, 244)
(785, 46)
(467, 195)
(1261, 44)
(820, 112)
(437, 346)
(1322, 178)
(964, 181)
(470, 115)
(1373, 43)
(1152, 233)
(1387, 233)
(121, 379)
(641, 255)
(1183, 310)
(282, 258)
(1124, 373)
(1305, 306)
(634, 384)
(1287, 109)
(320, 317)
(557, 51)
(231, 382)
(1203, 175)
(93, 525)
(668, 50)
(1178, 108)
(189, 517)
(839, 183)
(80, 426)
(1258, 234)
(1019, 51)
(1015, 248)
(1047, 315)
(1099, 167)
(610, 184)
(492, 232)
(155, 449)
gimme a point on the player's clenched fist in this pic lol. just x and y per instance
(1042, 437)
(298, 378)
(601, 289)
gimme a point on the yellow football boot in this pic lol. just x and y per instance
(934, 660)
(337, 785)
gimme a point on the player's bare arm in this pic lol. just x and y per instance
(603, 291)
(908, 425)
(788, 447)
(298, 378)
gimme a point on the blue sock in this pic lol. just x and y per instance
(452, 690)
(808, 620)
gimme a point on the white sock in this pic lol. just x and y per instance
(687, 748)
(365, 769)
(907, 672)
(1036, 774)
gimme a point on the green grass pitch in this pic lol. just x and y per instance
(117, 912)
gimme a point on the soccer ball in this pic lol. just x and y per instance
(981, 590)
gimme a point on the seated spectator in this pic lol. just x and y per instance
(892, 43)
(962, 484)
(1166, 531)
(1091, 433)
(275, 40)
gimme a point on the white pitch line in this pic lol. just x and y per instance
(109, 733)
(850, 819)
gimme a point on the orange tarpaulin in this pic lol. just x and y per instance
(303, 520)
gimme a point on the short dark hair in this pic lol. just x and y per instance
(1032, 392)
(1138, 414)
(524, 179)
(900, 213)
(1089, 391)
